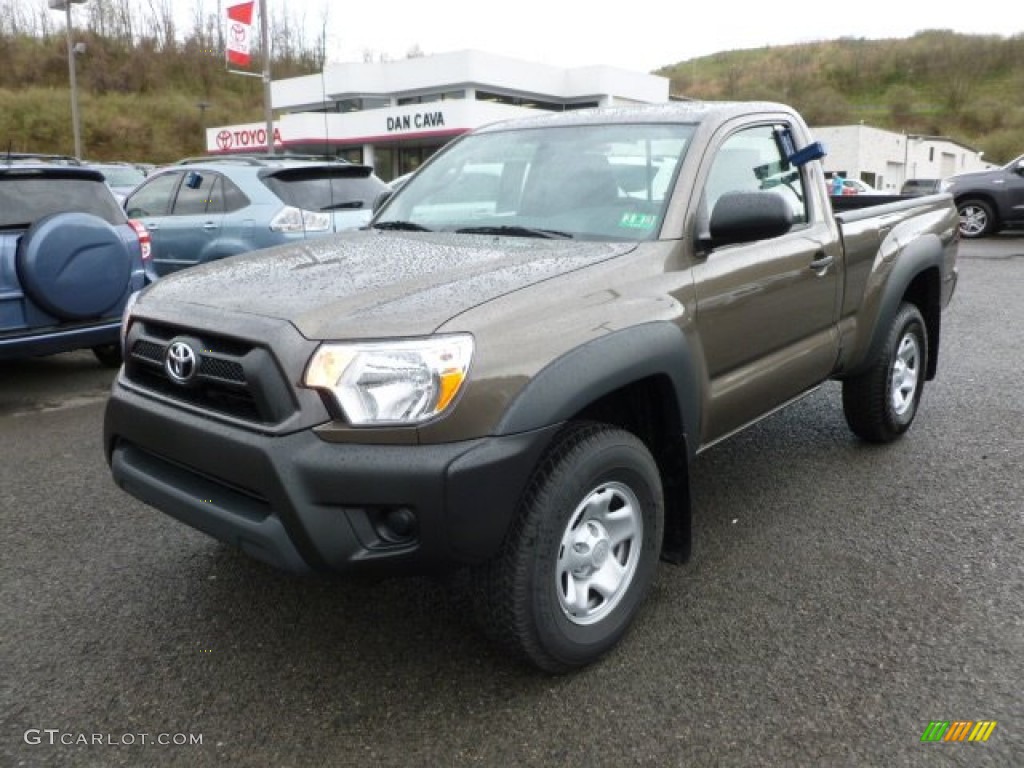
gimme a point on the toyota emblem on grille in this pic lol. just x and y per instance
(181, 362)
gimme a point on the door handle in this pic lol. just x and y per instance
(209, 225)
(152, 227)
(821, 260)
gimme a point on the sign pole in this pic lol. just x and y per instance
(268, 110)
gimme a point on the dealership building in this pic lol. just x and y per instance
(394, 114)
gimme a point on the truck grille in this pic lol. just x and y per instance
(232, 378)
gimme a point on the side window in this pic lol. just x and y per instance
(234, 198)
(194, 193)
(216, 202)
(751, 161)
(154, 197)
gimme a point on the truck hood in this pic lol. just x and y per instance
(372, 284)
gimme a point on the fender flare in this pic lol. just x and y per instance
(589, 372)
(601, 366)
(918, 257)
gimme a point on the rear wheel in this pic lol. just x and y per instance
(881, 403)
(976, 218)
(581, 555)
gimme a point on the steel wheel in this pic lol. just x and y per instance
(579, 558)
(906, 374)
(598, 554)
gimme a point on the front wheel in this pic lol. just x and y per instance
(976, 218)
(582, 553)
(881, 403)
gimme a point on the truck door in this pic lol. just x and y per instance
(766, 310)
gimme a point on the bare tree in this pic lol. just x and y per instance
(161, 22)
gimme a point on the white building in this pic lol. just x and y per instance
(393, 115)
(885, 159)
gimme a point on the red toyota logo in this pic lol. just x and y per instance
(224, 140)
(239, 32)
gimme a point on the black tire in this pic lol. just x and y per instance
(109, 355)
(976, 218)
(539, 598)
(881, 403)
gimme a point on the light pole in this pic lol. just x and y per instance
(65, 5)
(203, 106)
(268, 112)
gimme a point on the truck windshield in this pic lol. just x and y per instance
(591, 182)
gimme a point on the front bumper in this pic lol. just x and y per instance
(300, 503)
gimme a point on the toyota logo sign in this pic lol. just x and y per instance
(225, 140)
(181, 362)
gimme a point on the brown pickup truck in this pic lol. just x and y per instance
(511, 371)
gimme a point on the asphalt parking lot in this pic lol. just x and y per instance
(840, 598)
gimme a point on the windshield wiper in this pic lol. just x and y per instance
(405, 226)
(347, 204)
(516, 231)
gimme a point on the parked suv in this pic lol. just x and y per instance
(199, 211)
(122, 178)
(989, 201)
(69, 261)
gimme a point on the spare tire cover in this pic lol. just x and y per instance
(74, 265)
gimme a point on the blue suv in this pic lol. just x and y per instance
(203, 210)
(70, 260)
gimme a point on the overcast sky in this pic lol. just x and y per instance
(635, 34)
(640, 35)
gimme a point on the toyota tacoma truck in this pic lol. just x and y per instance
(510, 373)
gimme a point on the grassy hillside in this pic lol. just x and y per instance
(139, 95)
(967, 87)
(137, 100)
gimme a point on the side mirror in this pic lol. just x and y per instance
(743, 217)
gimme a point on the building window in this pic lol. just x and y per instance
(361, 103)
(519, 101)
(351, 154)
(426, 98)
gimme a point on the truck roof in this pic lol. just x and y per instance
(693, 112)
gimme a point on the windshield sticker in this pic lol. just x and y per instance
(632, 220)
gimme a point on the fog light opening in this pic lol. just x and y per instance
(396, 526)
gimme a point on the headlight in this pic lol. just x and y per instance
(399, 382)
(291, 219)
